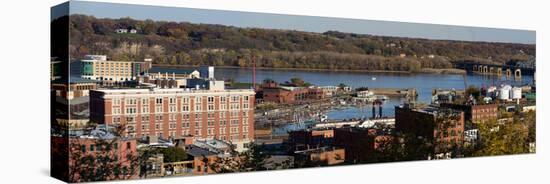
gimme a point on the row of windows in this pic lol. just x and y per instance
(102, 147)
(173, 109)
(185, 117)
(172, 100)
(210, 131)
(197, 133)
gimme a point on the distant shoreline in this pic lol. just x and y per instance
(423, 70)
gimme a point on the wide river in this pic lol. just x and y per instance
(424, 83)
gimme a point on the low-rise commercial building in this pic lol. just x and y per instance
(322, 156)
(475, 113)
(272, 92)
(442, 128)
(309, 139)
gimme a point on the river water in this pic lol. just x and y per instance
(424, 83)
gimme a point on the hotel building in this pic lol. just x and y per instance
(97, 67)
(227, 115)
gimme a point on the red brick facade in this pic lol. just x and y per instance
(225, 115)
(443, 127)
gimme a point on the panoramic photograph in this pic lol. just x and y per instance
(142, 92)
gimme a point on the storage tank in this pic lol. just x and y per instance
(504, 92)
(516, 93)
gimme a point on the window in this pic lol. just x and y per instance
(158, 101)
(185, 108)
(185, 124)
(198, 116)
(172, 108)
(223, 122)
(145, 109)
(172, 117)
(158, 117)
(131, 110)
(211, 115)
(210, 107)
(197, 132)
(245, 129)
(116, 110)
(172, 125)
(130, 119)
(210, 99)
(131, 101)
(116, 101)
(158, 109)
(234, 98)
(222, 130)
(185, 100)
(172, 100)
(234, 122)
(145, 101)
(211, 123)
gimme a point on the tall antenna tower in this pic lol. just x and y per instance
(254, 72)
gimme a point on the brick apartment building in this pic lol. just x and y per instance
(442, 127)
(227, 115)
(478, 113)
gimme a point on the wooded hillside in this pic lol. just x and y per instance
(186, 43)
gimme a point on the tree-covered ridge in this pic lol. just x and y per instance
(193, 44)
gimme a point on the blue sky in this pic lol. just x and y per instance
(301, 23)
